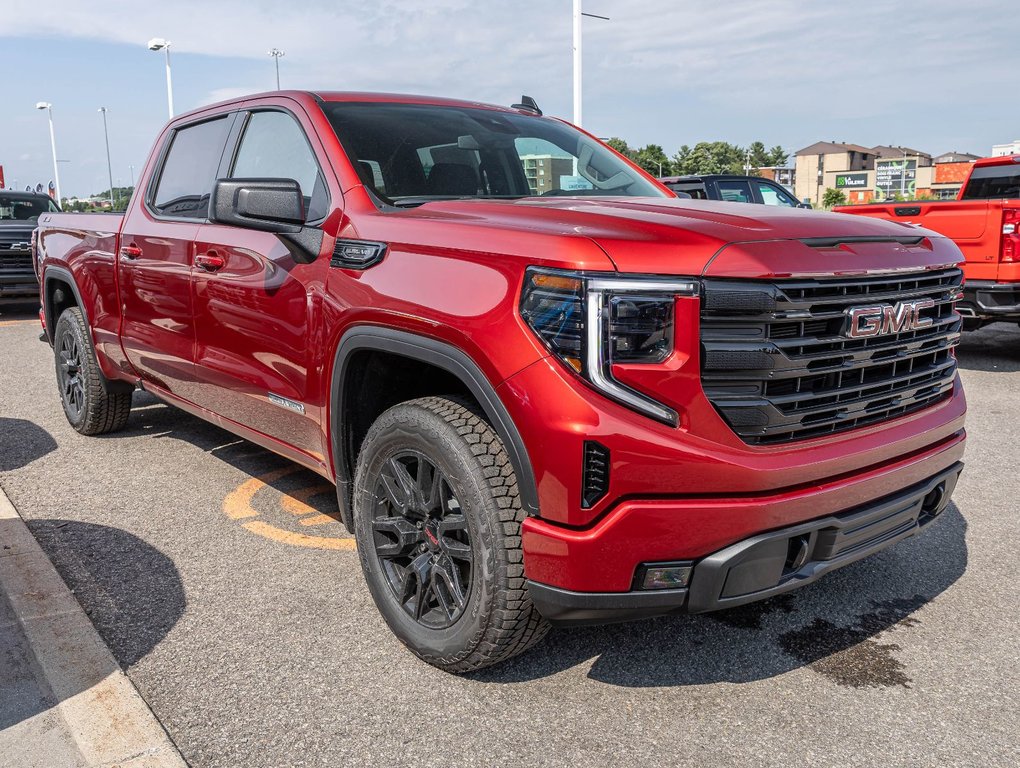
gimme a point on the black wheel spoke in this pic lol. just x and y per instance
(400, 536)
(449, 575)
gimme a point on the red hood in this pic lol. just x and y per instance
(683, 237)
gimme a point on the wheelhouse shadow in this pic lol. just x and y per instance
(843, 627)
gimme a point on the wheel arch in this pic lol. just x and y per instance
(52, 276)
(434, 353)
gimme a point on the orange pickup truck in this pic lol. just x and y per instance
(984, 222)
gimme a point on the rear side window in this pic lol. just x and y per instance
(735, 191)
(993, 181)
(274, 147)
(189, 170)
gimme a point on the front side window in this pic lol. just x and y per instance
(771, 195)
(189, 170)
(274, 146)
(735, 191)
(409, 154)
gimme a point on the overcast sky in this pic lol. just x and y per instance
(937, 75)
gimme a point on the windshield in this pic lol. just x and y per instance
(24, 208)
(993, 181)
(409, 154)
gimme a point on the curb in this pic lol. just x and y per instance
(106, 716)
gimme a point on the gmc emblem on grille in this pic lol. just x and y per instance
(864, 322)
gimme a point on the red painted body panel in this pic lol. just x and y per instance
(217, 343)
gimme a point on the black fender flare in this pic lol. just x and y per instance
(52, 274)
(441, 355)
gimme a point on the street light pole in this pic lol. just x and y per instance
(276, 53)
(53, 146)
(132, 169)
(159, 44)
(578, 15)
(903, 175)
(109, 165)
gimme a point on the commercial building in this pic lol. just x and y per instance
(1001, 150)
(544, 172)
(869, 174)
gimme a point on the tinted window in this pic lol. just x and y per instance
(771, 195)
(411, 153)
(735, 191)
(189, 170)
(993, 181)
(18, 208)
(274, 147)
(697, 191)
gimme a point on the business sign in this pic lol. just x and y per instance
(851, 181)
(896, 177)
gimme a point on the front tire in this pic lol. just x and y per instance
(437, 518)
(91, 405)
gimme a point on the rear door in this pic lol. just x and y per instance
(256, 347)
(734, 191)
(154, 263)
(770, 193)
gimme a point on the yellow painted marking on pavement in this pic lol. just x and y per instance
(17, 322)
(297, 501)
(318, 520)
(238, 505)
(297, 539)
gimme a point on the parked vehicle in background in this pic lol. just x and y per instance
(19, 214)
(734, 189)
(983, 221)
(588, 404)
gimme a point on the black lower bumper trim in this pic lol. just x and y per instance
(988, 299)
(764, 565)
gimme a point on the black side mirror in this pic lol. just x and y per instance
(268, 205)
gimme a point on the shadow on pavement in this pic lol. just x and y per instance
(130, 590)
(22, 442)
(994, 348)
(829, 627)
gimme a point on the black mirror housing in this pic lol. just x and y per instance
(269, 205)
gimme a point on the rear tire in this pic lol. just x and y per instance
(90, 403)
(437, 518)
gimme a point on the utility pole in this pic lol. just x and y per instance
(53, 147)
(109, 165)
(276, 53)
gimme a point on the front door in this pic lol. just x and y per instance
(155, 258)
(256, 351)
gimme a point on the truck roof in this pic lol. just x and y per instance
(1002, 160)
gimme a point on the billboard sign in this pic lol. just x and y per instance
(851, 180)
(894, 177)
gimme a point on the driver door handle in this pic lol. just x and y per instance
(130, 251)
(210, 262)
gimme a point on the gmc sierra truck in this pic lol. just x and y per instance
(983, 221)
(563, 397)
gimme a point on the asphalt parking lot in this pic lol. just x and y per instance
(217, 575)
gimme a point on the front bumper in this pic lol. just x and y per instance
(990, 300)
(767, 564)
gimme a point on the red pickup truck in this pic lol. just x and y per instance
(984, 222)
(548, 391)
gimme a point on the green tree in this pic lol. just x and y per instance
(653, 159)
(757, 157)
(778, 156)
(833, 197)
(709, 157)
(621, 146)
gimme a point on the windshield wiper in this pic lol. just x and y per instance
(412, 201)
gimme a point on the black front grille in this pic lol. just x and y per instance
(777, 365)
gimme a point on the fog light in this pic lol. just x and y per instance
(666, 576)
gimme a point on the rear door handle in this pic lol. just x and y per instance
(210, 261)
(130, 251)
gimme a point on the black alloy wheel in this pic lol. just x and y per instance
(72, 390)
(422, 541)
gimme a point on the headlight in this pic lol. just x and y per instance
(592, 320)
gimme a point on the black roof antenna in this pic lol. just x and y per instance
(527, 105)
